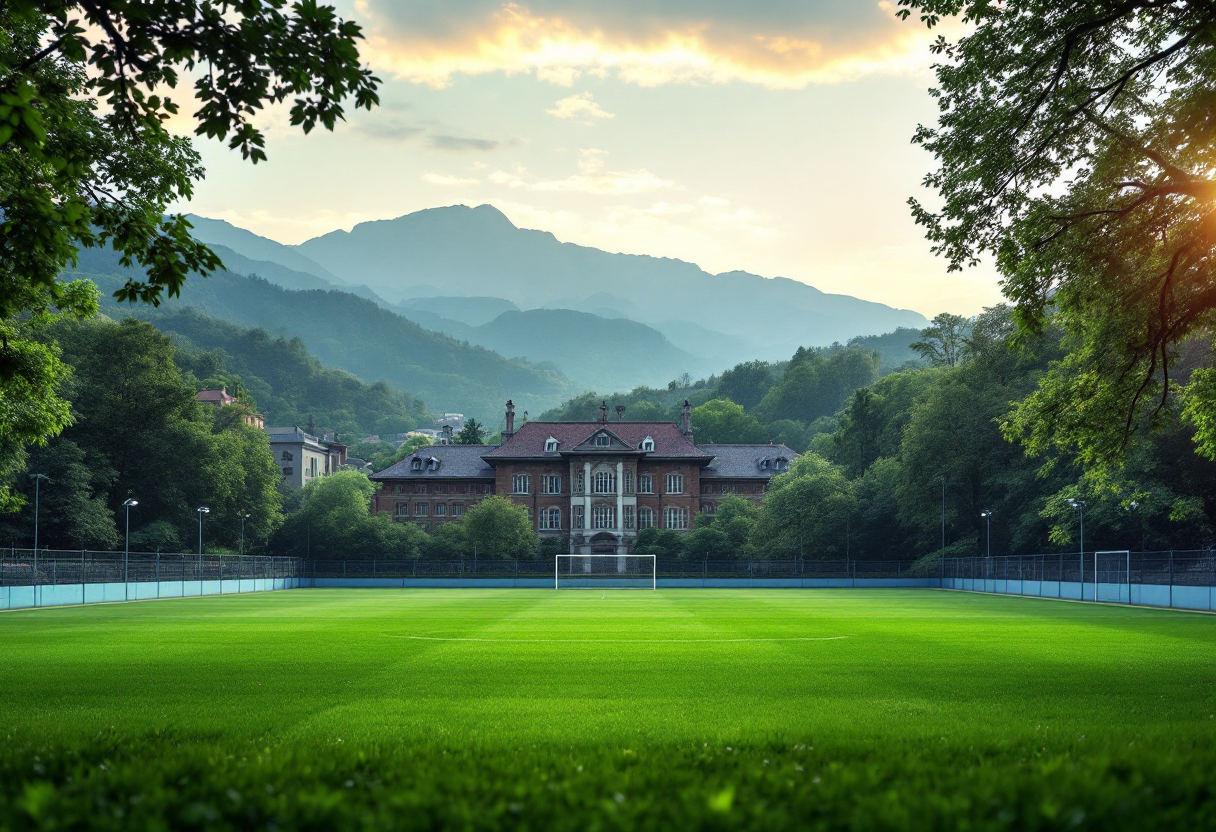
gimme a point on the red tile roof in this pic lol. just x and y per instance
(529, 441)
(215, 396)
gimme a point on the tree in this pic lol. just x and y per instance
(734, 518)
(499, 529)
(747, 383)
(471, 434)
(944, 342)
(86, 159)
(805, 511)
(721, 420)
(1075, 146)
(334, 521)
(146, 436)
(73, 514)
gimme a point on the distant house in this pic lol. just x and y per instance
(302, 457)
(218, 397)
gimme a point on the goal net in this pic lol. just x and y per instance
(604, 572)
(1112, 576)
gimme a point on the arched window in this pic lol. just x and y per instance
(605, 482)
(645, 517)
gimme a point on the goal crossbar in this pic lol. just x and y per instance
(605, 577)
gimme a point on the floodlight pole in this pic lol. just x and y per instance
(943, 479)
(1079, 505)
(244, 516)
(126, 549)
(987, 515)
(38, 478)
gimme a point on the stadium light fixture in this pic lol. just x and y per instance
(126, 546)
(244, 515)
(987, 515)
(201, 511)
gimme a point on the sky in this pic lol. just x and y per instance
(769, 137)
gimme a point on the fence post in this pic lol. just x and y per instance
(1129, 576)
(373, 566)
(1171, 578)
(82, 576)
(158, 574)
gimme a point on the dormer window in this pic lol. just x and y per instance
(550, 445)
(415, 464)
(603, 440)
(648, 444)
(432, 464)
(780, 463)
(763, 462)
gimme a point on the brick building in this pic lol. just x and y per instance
(597, 483)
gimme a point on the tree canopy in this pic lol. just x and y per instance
(86, 159)
(1075, 147)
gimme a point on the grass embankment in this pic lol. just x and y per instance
(585, 710)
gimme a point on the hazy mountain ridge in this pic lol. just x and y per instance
(478, 251)
(353, 334)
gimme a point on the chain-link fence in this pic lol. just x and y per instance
(1196, 567)
(665, 568)
(49, 567)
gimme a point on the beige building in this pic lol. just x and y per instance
(301, 457)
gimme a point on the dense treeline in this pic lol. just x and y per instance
(889, 457)
(138, 432)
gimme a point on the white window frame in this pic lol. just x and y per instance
(604, 482)
(551, 518)
(648, 444)
(422, 510)
(645, 483)
(628, 518)
(678, 481)
(645, 517)
(458, 509)
(675, 518)
(550, 484)
(579, 519)
(603, 517)
(521, 483)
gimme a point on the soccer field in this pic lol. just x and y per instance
(675, 709)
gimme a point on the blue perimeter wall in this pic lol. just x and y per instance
(1153, 595)
(22, 597)
(1147, 595)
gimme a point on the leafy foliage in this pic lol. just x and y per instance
(86, 159)
(500, 529)
(1076, 147)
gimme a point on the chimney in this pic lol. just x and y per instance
(620, 412)
(510, 431)
(604, 411)
(446, 432)
(686, 418)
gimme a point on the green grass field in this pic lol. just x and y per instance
(515, 709)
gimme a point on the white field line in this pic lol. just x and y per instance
(619, 640)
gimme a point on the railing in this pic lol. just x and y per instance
(1196, 567)
(24, 567)
(665, 568)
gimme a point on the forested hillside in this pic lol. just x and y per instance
(354, 334)
(283, 381)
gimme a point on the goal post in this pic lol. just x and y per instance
(1118, 561)
(605, 572)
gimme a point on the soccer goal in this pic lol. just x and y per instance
(1113, 576)
(604, 572)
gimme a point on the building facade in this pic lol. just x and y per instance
(301, 457)
(597, 483)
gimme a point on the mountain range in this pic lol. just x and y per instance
(447, 266)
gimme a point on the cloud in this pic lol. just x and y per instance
(448, 181)
(388, 128)
(592, 178)
(463, 143)
(774, 44)
(581, 107)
